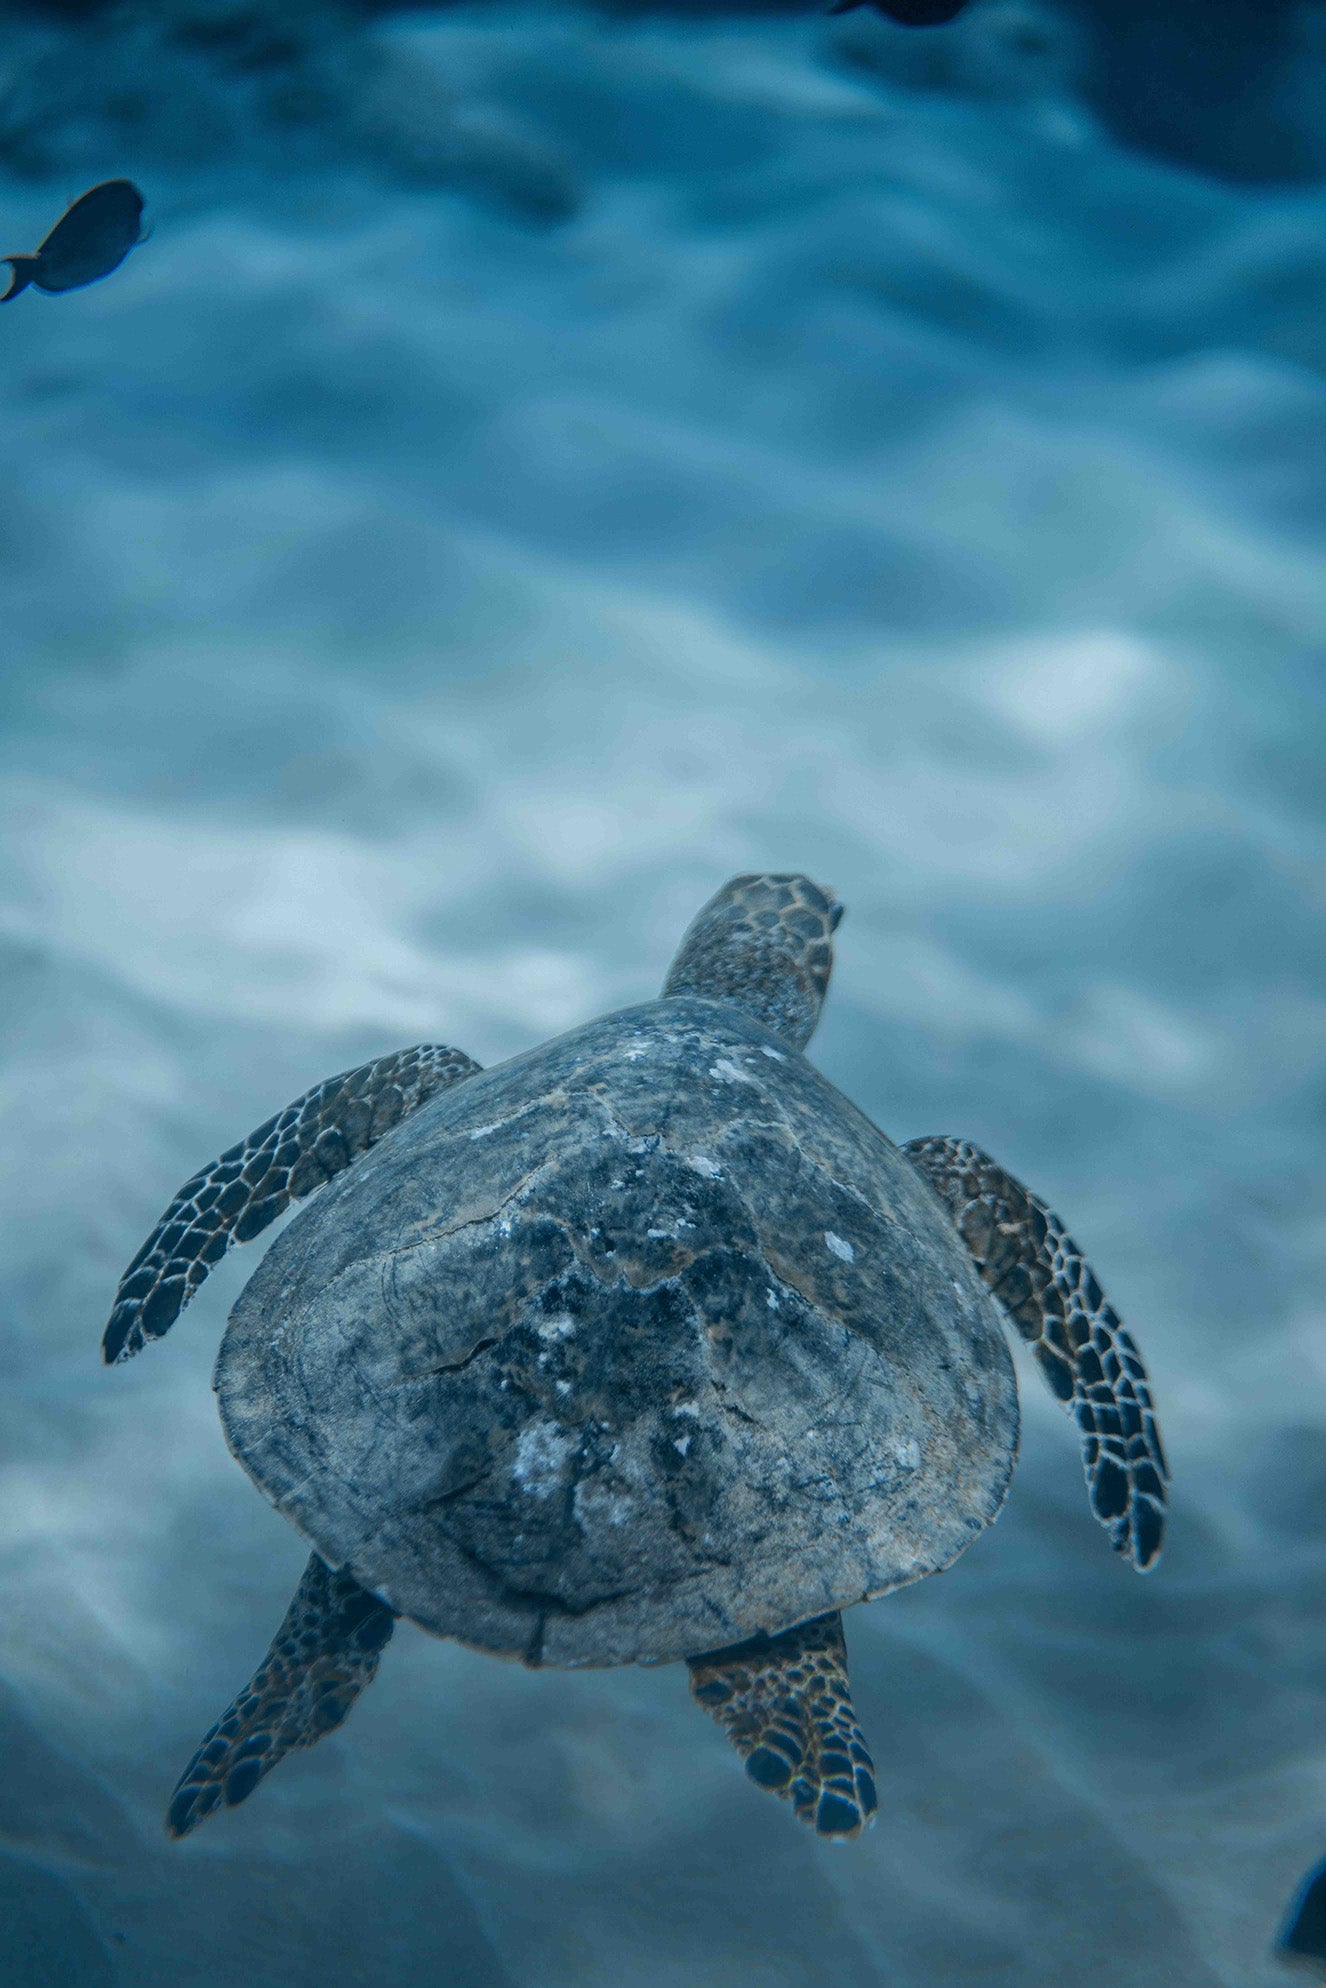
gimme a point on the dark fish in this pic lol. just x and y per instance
(91, 238)
(1302, 1941)
(909, 13)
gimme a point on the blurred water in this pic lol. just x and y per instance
(409, 615)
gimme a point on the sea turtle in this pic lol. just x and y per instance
(643, 1346)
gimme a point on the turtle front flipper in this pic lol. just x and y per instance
(236, 1197)
(786, 1705)
(321, 1657)
(1047, 1287)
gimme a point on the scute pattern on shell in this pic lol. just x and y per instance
(569, 1368)
(1049, 1290)
(237, 1196)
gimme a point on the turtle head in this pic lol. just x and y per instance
(766, 945)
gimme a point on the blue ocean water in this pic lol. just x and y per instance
(414, 605)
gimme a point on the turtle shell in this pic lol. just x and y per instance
(629, 1348)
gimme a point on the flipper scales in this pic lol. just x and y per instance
(322, 1656)
(1048, 1289)
(236, 1197)
(786, 1705)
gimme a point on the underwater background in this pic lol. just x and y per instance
(542, 463)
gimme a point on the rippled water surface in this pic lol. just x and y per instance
(411, 611)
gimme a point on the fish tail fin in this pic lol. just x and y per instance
(24, 268)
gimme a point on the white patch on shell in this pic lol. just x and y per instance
(772, 1301)
(592, 1504)
(908, 1454)
(774, 1055)
(727, 1072)
(701, 1163)
(681, 1445)
(541, 1451)
(482, 1131)
(839, 1247)
(690, 1408)
(560, 1327)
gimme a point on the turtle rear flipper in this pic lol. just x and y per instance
(236, 1197)
(786, 1705)
(322, 1656)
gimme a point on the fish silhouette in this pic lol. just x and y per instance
(1302, 1938)
(909, 13)
(91, 237)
